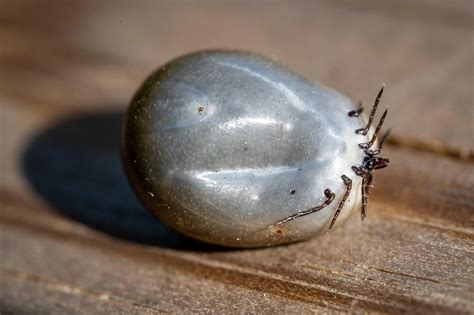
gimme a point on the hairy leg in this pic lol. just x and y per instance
(357, 170)
(348, 183)
(364, 131)
(329, 198)
(366, 184)
(366, 146)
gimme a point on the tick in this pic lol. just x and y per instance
(235, 149)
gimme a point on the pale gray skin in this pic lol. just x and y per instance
(222, 145)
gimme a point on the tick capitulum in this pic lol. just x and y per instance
(370, 163)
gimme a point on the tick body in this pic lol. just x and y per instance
(235, 149)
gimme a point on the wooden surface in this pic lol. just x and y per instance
(74, 239)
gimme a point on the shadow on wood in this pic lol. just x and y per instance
(75, 166)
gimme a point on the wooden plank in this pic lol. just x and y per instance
(114, 272)
(30, 294)
(74, 239)
(413, 255)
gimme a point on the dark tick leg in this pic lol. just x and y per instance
(363, 213)
(357, 170)
(348, 183)
(329, 198)
(371, 161)
(356, 112)
(366, 146)
(364, 131)
(366, 184)
(384, 137)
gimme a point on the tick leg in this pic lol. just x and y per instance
(364, 131)
(356, 112)
(348, 183)
(357, 170)
(329, 198)
(366, 146)
(384, 137)
(366, 184)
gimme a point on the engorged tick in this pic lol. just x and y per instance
(236, 149)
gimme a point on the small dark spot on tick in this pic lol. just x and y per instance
(278, 230)
(200, 109)
(293, 191)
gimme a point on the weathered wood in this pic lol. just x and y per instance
(74, 239)
(409, 251)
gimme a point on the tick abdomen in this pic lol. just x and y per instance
(221, 145)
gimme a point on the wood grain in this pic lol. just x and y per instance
(74, 239)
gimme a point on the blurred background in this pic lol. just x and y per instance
(86, 53)
(69, 68)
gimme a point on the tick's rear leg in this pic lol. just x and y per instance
(329, 198)
(348, 183)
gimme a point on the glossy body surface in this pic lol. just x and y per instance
(221, 145)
